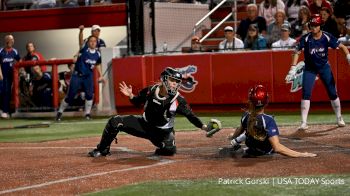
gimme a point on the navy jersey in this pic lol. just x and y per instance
(316, 51)
(7, 60)
(86, 61)
(160, 111)
(265, 122)
(44, 83)
(100, 44)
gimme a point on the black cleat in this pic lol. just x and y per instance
(236, 147)
(164, 152)
(97, 153)
(58, 116)
(88, 117)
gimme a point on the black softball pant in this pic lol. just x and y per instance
(137, 126)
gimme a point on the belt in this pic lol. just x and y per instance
(79, 74)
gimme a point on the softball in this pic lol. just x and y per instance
(215, 126)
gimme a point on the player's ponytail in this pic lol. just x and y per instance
(252, 120)
(252, 117)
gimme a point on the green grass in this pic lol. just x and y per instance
(75, 127)
(212, 187)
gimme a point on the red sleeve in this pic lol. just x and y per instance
(41, 58)
(327, 5)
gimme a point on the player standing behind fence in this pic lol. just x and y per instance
(82, 78)
(8, 56)
(161, 104)
(315, 45)
(95, 31)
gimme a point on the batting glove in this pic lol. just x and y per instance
(291, 73)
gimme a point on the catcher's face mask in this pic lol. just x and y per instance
(171, 84)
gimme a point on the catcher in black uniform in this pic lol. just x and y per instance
(161, 103)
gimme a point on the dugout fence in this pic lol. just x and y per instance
(55, 80)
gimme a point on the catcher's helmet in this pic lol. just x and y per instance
(316, 20)
(175, 75)
(258, 96)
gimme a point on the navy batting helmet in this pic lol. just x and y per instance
(173, 74)
(258, 96)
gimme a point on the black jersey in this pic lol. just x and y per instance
(161, 111)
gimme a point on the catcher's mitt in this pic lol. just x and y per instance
(213, 126)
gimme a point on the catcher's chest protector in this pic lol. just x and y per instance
(159, 110)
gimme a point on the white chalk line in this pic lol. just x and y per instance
(125, 149)
(162, 162)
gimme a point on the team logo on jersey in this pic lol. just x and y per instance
(90, 61)
(320, 51)
(188, 83)
(7, 60)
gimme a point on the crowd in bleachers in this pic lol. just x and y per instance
(44, 4)
(35, 83)
(279, 24)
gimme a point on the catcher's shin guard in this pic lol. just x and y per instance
(168, 147)
(109, 134)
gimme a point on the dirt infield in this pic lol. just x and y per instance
(62, 167)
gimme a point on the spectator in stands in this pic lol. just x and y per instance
(40, 89)
(42, 4)
(95, 31)
(330, 25)
(181, 1)
(300, 27)
(274, 29)
(285, 42)
(268, 9)
(254, 41)
(252, 18)
(345, 40)
(196, 46)
(317, 5)
(341, 23)
(230, 42)
(33, 55)
(69, 3)
(292, 9)
(341, 10)
(8, 57)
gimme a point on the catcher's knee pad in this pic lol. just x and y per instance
(114, 125)
(110, 132)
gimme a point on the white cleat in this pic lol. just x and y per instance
(341, 122)
(5, 115)
(303, 127)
